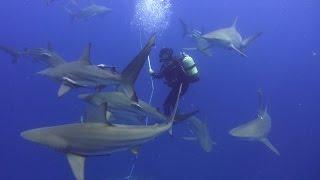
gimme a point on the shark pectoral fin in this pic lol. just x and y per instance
(238, 51)
(250, 39)
(64, 88)
(135, 150)
(77, 165)
(269, 145)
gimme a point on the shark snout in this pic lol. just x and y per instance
(44, 138)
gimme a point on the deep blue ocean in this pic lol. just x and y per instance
(284, 62)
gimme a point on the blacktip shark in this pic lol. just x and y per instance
(81, 140)
(83, 73)
(257, 129)
(117, 106)
(229, 38)
(89, 12)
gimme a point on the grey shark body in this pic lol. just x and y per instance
(83, 73)
(44, 55)
(229, 38)
(257, 129)
(90, 139)
(202, 45)
(89, 12)
(201, 132)
(120, 106)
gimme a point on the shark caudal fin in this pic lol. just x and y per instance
(174, 112)
(270, 146)
(77, 165)
(131, 72)
(250, 39)
(13, 53)
(185, 28)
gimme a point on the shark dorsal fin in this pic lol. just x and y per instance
(234, 25)
(50, 48)
(132, 70)
(85, 57)
(77, 165)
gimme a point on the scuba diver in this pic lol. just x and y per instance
(175, 71)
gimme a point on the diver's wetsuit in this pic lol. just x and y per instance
(173, 72)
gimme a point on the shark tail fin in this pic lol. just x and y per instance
(270, 146)
(185, 28)
(234, 25)
(131, 72)
(85, 57)
(174, 112)
(77, 165)
(250, 39)
(13, 53)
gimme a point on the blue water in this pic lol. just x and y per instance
(284, 62)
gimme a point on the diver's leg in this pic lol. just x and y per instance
(170, 100)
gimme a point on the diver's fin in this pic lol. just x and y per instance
(64, 88)
(250, 39)
(238, 51)
(269, 145)
(185, 116)
(85, 57)
(13, 53)
(132, 70)
(77, 165)
(234, 25)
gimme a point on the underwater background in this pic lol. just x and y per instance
(284, 62)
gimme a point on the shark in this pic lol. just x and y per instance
(117, 106)
(202, 45)
(257, 129)
(46, 56)
(72, 1)
(229, 38)
(89, 12)
(82, 73)
(201, 133)
(81, 140)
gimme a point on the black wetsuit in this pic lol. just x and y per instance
(173, 72)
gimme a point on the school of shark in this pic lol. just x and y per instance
(115, 118)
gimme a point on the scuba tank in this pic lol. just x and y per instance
(190, 67)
